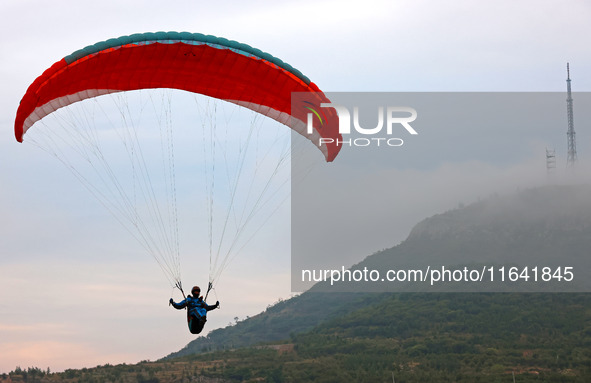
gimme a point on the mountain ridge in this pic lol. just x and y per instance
(501, 228)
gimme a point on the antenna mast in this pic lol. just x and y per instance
(570, 134)
(550, 160)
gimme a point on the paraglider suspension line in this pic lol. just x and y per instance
(209, 287)
(179, 286)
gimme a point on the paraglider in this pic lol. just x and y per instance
(211, 66)
(196, 309)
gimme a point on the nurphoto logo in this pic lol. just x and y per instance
(392, 117)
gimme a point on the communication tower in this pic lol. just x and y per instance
(570, 134)
(550, 160)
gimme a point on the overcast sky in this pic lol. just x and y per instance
(77, 291)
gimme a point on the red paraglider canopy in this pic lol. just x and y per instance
(208, 65)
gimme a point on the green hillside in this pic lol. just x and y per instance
(454, 336)
(296, 315)
(549, 226)
(415, 337)
(433, 337)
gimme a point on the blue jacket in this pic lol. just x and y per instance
(196, 306)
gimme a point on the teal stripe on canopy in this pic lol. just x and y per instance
(186, 37)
